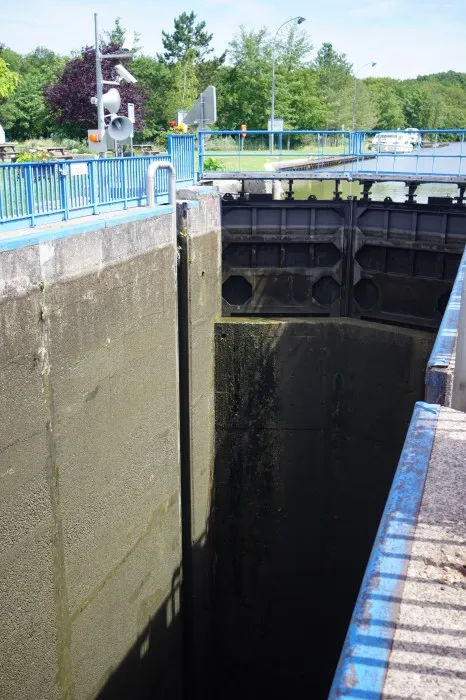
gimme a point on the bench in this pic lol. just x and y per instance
(148, 149)
(8, 152)
(58, 152)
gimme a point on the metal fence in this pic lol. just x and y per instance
(344, 154)
(38, 193)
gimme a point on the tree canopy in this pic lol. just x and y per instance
(190, 39)
(69, 98)
(42, 93)
(8, 79)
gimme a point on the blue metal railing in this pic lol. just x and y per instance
(39, 193)
(434, 153)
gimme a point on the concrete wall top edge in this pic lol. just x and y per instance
(69, 251)
(63, 229)
(198, 213)
(197, 192)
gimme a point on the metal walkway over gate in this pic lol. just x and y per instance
(405, 156)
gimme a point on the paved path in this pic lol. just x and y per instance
(428, 657)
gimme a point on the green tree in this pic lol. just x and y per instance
(118, 34)
(156, 77)
(190, 39)
(8, 80)
(299, 101)
(245, 84)
(25, 113)
(13, 59)
(297, 98)
(334, 81)
(418, 107)
(389, 103)
(366, 112)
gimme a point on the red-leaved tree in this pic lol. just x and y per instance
(69, 98)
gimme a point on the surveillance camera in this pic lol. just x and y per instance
(124, 74)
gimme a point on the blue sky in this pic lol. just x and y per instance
(405, 37)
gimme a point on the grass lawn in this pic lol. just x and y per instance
(256, 160)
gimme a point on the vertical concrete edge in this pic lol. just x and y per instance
(198, 231)
(365, 655)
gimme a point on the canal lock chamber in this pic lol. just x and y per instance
(311, 416)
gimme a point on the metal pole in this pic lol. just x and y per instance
(150, 187)
(298, 20)
(99, 84)
(370, 63)
(272, 116)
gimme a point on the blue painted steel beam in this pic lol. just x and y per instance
(365, 656)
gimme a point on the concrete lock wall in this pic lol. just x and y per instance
(90, 471)
(311, 418)
(199, 289)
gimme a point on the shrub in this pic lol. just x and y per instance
(213, 164)
(33, 157)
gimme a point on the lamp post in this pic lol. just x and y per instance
(298, 20)
(370, 63)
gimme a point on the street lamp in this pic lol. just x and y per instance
(372, 64)
(298, 20)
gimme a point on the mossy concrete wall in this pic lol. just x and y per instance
(90, 473)
(311, 417)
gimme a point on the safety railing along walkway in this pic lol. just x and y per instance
(405, 155)
(32, 194)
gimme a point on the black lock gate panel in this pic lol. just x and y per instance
(388, 262)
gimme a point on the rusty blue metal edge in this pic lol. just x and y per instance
(365, 655)
(444, 347)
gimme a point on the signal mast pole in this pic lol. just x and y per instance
(99, 84)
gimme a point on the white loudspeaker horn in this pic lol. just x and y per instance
(112, 101)
(120, 128)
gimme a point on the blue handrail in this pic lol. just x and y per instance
(37, 193)
(345, 153)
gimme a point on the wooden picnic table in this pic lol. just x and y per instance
(59, 152)
(8, 151)
(147, 148)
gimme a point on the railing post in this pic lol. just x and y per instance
(200, 146)
(64, 172)
(29, 192)
(124, 181)
(458, 399)
(94, 190)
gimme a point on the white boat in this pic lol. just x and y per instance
(415, 136)
(393, 142)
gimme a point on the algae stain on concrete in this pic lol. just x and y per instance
(254, 462)
(63, 622)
